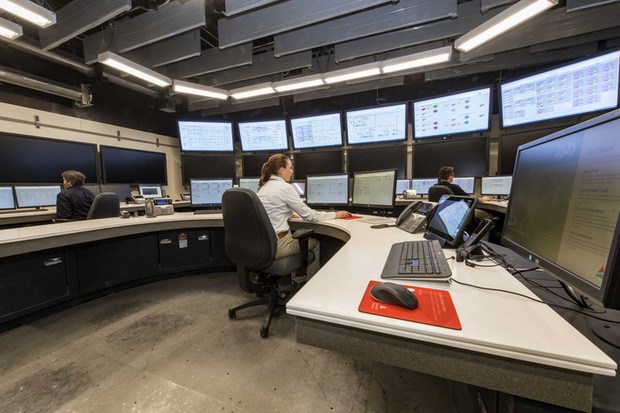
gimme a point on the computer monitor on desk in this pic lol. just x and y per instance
(150, 191)
(402, 185)
(7, 201)
(250, 183)
(467, 184)
(496, 185)
(421, 185)
(300, 187)
(375, 190)
(207, 193)
(36, 196)
(327, 190)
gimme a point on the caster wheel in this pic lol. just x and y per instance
(232, 314)
(264, 333)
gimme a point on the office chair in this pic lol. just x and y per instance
(436, 191)
(251, 243)
(105, 205)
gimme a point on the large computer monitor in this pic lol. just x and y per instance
(268, 135)
(402, 185)
(496, 185)
(467, 184)
(201, 136)
(374, 189)
(563, 213)
(317, 131)
(250, 183)
(208, 192)
(132, 166)
(377, 124)
(36, 196)
(7, 201)
(327, 190)
(421, 185)
(450, 218)
(317, 163)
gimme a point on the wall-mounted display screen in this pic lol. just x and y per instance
(121, 165)
(586, 86)
(253, 164)
(35, 196)
(453, 114)
(263, 136)
(207, 166)
(208, 192)
(317, 131)
(421, 185)
(6, 198)
(327, 190)
(496, 185)
(315, 163)
(377, 124)
(200, 136)
(469, 157)
(377, 158)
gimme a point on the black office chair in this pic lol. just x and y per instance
(436, 191)
(251, 243)
(105, 205)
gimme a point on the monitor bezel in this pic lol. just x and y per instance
(302, 148)
(377, 206)
(331, 204)
(438, 233)
(206, 151)
(212, 204)
(250, 151)
(346, 123)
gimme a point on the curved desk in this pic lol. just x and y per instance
(507, 343)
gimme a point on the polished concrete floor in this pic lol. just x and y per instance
(170, 347)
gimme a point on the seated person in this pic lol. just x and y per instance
(446, 176)
(282, 202)
(74, 202)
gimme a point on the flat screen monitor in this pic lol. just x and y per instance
(586, 86)
(35, 196)
(122, 190)
(250, 183)
(94, 188)
(421, 185)
(317, 131)
(377, 124)
(378, 158)
(201, 136)
(469, 157)
(402, 185)
(327, 190)
(208, 192)
(132, 166)
(450, 218)
(317, 163)
(496, 185)
(253, 164)
(374, 189)
(453, 114)
(300, 187)
(7, 201)
(149, 191)
(207, 166)
(269, 135)
(563, 213)
(467, 184)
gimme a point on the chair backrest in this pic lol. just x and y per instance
(105, 205)
(436, 191)
(249, 237)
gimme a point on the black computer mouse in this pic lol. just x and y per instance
(391, 293)
(378, 226)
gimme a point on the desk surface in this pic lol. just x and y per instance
(493, 323)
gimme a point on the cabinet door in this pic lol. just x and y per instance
(32, 281)
(182, 250)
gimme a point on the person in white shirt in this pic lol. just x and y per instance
(282, 202)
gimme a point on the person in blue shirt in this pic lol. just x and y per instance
(74, 202)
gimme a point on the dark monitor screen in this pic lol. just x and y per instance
(374, 188)
(201, 136)
(207, 166)
(34, 196)
(317, 163)
(563, 213)
(450, 218)
(586, 86)
(253, 164)
(453, 114)
(208, 192)
(122, 190)
(508, 144)
(467, 184)
(374, 159)
(132, 166)
(300, 187)
(469, 157)
(421, 185)
(269, 135)
(496, 185)
(317, 131)
(7, 201)
(31, 160)
(377, 124)
(250, 183)
(327, 190)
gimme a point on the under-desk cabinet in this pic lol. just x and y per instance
(184, 250)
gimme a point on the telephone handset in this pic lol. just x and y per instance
(413, 218)
(472, 243)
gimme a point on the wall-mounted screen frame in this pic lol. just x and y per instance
(377, 124)
(205, 136)
(265, 135)
(317, 131)
(133, 166)
(468, 156)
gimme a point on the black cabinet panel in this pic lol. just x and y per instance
(180, 250)
(217, 249)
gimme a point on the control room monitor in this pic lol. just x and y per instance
(496, 185)
(374, 189)
(6, 198)
(35, 196)
(208, 192)
(327, 190)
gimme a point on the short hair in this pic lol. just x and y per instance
(75, 178)
(445, 172)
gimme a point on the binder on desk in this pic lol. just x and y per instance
(435, 307)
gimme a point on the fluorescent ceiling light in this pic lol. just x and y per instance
(30, 11)
(252, 91)
(134, 69)
(180, 86)
(299, 83)
(357, 72)
(506, 20)
(429, 57)
(9, 29)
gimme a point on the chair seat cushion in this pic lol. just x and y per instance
(286, 265)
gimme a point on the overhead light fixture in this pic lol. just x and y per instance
(504, 21)
(357, 72)
(30, 11)
(134, 69)
(429, 57)
(180, 86)
(9, 29)
(252, 91)
(299, 83)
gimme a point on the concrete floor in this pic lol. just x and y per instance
(170, 347)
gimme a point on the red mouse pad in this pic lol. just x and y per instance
(353, 217)
(435, 307)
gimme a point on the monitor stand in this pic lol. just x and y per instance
(608, 333)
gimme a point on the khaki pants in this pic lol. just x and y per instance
(287, 245)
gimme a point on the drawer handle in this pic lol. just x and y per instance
(165, 241)
(203, 237)
(53, 261)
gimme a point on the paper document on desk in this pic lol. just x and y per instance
(378, 220)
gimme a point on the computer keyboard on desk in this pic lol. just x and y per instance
(420, 259)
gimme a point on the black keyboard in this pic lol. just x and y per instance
(420, 259)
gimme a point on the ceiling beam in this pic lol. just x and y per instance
(209, 61)
(486, 5)
(239, 6)
(228, 107)
(347, 89)
(572, 5)
(171, 50)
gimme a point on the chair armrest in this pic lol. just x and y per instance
(302, 233)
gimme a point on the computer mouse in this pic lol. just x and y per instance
(378, 226)
(392, 293)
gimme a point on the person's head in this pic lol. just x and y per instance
(72, 178)
(279, 165)
(446, 173)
